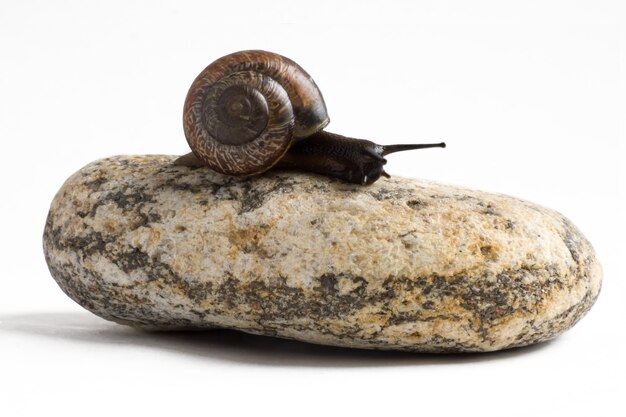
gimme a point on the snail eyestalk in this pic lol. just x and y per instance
(387, 149)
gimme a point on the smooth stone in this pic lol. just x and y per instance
(402, 264)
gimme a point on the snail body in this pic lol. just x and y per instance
(356, 161)
(253, 110)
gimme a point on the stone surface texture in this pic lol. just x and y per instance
(401, 264)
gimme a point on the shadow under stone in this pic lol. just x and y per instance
(231, 345)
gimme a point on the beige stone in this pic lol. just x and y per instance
(401, 264)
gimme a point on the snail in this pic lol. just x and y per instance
(251, 111)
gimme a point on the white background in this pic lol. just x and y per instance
(529, 96)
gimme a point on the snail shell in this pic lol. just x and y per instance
(244, 110)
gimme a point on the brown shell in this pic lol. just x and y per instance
(243, 111)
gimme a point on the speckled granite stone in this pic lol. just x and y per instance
(402, 264)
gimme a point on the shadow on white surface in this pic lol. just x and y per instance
(230, 345)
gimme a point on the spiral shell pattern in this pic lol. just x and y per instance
(243, 111)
